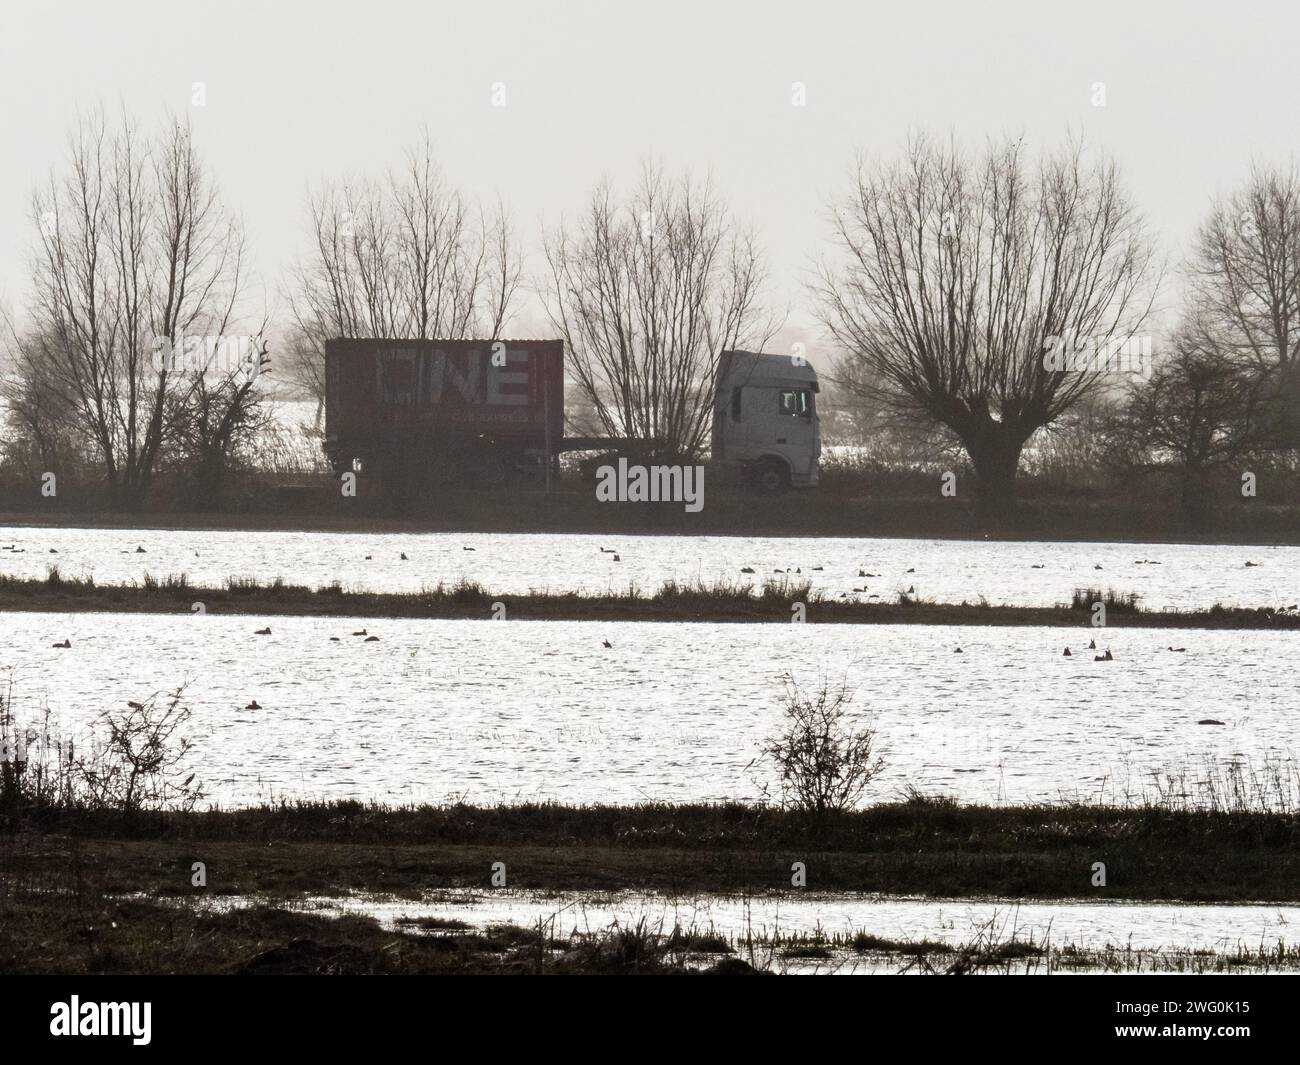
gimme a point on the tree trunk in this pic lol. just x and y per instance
(131, 490)
(1193, 496)
(210, 479)
(995, 454)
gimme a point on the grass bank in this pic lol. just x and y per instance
(722, 602)
(921, 846)
(89, 891)
(862, 507)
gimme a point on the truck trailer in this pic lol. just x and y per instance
(415, 410)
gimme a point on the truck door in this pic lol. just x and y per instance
(796, 428)
(737, 415)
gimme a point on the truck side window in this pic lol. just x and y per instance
(795, 403)
(735, 404)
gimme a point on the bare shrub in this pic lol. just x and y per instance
(825, 764)
(141, 762)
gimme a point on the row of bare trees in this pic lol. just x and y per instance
(955, 277)
(134, 251)
(951, 276)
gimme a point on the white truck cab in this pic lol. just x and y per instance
(765, 419)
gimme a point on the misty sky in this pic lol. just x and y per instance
(297, 93)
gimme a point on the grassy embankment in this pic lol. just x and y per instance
(922, 846)
(860, 506)
(722, 602)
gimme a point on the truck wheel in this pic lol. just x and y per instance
(771, 476)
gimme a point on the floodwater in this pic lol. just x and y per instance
(513, 710)
(1139, 932)
(1182, 576)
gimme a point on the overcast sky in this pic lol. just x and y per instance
(297, 93)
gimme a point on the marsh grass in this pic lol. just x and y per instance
(464, 591)
(54, 580)
(1212, 785)
(912, 599)
(173, 583)
(725, 600)
(432, 924)
(1115, 602)
(994, 944)
(86, 930)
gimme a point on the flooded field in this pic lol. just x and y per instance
(499, 711)
(1181, 576)
(1085, 936)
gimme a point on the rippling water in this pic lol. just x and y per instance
(1021, 573)
(1094, 926)
(541, 710)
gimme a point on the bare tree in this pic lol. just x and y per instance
(134, 252)
(1246, 267)
(304, 366)
(956, 277)
(1245, 275)
(220, 418)
(42, 433)
(647, 293)
(407, 256)
(1198, 411)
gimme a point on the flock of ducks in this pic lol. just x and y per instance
(366, 637)
(1092, 646)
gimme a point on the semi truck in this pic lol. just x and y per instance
(481, 410)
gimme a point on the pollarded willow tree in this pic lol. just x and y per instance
(956, 277)
(647, 291)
